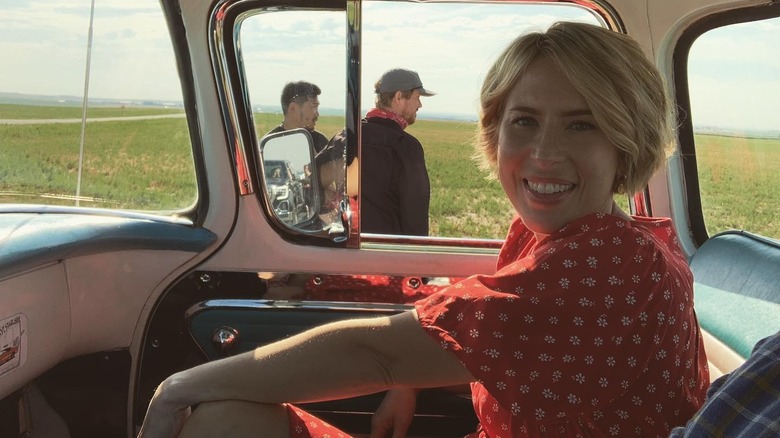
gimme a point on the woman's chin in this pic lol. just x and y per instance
(542, 226)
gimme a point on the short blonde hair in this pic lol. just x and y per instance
(623, 89)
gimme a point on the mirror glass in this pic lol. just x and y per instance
(290, 181)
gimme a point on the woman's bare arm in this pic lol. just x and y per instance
(337, 360)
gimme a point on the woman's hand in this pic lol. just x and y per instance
(395, 413)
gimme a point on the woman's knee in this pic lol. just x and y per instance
(236, 418)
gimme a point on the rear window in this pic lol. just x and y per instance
(734, 83)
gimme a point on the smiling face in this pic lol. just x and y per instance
(554, 162)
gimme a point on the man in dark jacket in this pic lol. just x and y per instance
(300, 106)
(395, 190)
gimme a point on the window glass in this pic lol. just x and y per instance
(451, 45)
(133, 150)
(734, 83)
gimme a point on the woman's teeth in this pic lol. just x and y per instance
(548, 188)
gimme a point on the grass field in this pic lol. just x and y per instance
(143, 164)
(463, 201)
(739, 181)
(9, 111)
(147, 165)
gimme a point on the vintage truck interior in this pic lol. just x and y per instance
(100, 301)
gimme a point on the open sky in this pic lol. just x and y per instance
(735, 72)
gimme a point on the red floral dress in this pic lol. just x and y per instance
(588, 332)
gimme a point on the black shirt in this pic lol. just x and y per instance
(395, 190)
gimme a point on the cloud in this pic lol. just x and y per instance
(132, 57)
(733, 70)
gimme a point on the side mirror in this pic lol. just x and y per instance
(290, 178)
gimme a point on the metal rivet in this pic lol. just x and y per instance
(205, 278)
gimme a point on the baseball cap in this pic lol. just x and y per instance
(399, 79)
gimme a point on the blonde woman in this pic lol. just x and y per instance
(587, 327)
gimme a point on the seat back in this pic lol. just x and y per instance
(736, 294)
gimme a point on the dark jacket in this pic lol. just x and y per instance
(395, 191)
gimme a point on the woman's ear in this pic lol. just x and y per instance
(619, 184)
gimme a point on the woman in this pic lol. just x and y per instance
(587, 327)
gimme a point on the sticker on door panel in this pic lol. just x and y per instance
(13, 343)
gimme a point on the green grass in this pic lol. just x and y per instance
(739, 181)
(136, 165)
(147, 165)
(10, 111)
(328, 125)
(463, 201)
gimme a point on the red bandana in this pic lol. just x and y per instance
(377, 112)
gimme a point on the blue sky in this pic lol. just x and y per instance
(735, 72)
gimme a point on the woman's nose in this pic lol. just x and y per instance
(546, 147)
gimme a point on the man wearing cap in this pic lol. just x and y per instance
(300, 106)
(395, 191)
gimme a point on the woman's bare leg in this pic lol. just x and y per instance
(237, 419)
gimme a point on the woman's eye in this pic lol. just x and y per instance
(523, 121)
(582, 126)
